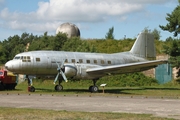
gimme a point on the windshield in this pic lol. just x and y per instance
(17, 57)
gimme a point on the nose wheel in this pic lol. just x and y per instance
(31, 89)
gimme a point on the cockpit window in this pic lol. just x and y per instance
(26, 59)
(23, 58)
(17, 57)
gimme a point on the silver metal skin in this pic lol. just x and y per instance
(81, 65)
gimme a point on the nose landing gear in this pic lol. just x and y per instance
(30, 87)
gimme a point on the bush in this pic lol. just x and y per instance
(130, 80)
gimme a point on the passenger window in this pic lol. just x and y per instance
(73, 60)
(80, 61)
(102, 61)
(109, 62)
(88, 61)
(66, 61)
(37, 59)
(95, 61)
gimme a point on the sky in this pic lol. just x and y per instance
(92, 17)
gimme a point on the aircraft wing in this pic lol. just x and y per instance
(126, 68)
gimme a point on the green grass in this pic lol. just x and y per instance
(36, 114)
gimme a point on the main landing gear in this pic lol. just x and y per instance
(94, 88)
(59, 87)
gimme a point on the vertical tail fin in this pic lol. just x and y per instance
(144, 46)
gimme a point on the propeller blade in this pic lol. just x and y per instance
(59, 69)
(63, 75)
(58, 65)
(56, 78)
(62, 64)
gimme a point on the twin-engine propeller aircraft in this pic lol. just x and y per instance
(81, 65)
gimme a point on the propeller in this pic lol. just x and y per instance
(59, 69)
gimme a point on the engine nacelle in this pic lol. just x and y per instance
(70, 70)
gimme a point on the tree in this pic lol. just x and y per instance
(173, 50)
(2, 54)
(156, 34)
(109, 34)
(147, 30)
(59, 41)
(173, 19)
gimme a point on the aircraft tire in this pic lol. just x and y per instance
(32, 89)
(94, 89)
(58, 87)
(90, 88)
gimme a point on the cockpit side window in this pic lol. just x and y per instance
(26, 58)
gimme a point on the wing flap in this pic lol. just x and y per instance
(126, 68)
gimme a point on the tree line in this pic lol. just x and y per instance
(29, 42)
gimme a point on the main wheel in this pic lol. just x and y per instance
(90, 88)
(93, 89)
(58, 87)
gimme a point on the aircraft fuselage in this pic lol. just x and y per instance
(76, 63)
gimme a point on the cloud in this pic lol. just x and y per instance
(84, 10)
(50, 14)
(148, 1)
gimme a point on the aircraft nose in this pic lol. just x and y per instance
(9, 66)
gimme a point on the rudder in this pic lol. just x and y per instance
(144, 46)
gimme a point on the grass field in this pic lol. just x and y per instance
(35, 114)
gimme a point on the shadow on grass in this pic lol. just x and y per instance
(159, 88)
(76, 90)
